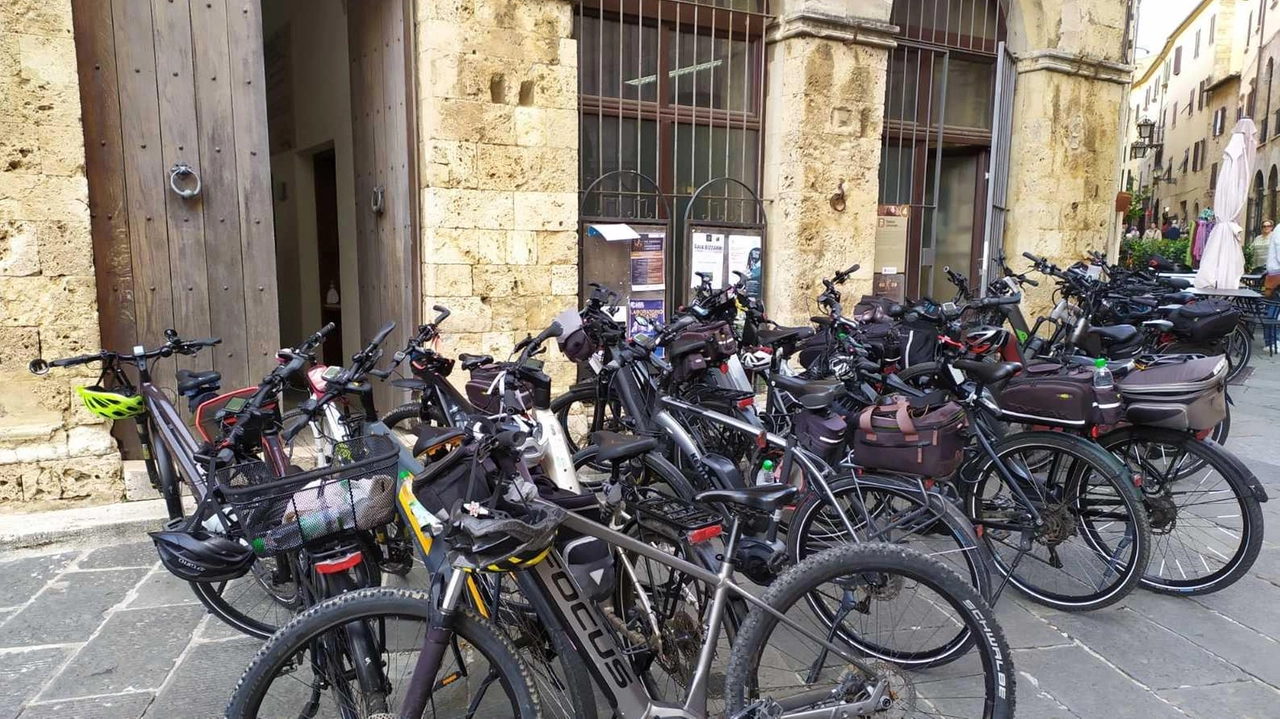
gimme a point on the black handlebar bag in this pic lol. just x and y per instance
(1206, 320)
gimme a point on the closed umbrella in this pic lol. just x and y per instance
(1223, 260)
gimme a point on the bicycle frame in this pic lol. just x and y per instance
(555, 597)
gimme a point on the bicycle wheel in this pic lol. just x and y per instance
(886, 509)
(309, 667)
(256, 604)
(404, 418)
(889, 509)
(576, 411)
(650, 470)
(1206, 521)
(885, 594)
(1092, 544)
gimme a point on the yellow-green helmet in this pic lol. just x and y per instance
(111, 405)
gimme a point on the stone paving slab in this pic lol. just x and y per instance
(203, 681)
(123, 706)
(1240, 700)
(24, 577)
(69, 608)
(22, 673)
(134, 650)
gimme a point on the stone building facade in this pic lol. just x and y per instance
(51, 449)
(498, 146)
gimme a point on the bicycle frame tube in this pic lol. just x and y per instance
(176, 436)
(555, 591)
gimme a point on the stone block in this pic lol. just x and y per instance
(557, 248)
(533, 281)
(61, 150)
(447, 280)
(449, 246)
(90, 441)
(449, 164)
(94, 479)
(564, 279)
(43, 197)
(524, 169)
(19, 248)
(473, 121)
(496, 280)
(70, 609)
(20, 148)
(18, 345)
(546, 210)
(22, 674)
(482, 209)
(554, 86)
(46, 18)
(66, 248)
(48, 61)
(522, 248)
(200, 684)
(467, 313)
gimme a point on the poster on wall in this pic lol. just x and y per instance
(652, 310)
(744, 257)
(708, 256)
(648, 263)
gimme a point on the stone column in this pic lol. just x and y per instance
(51, 448)
(498, 162)
(1065, 171)
(823, 121)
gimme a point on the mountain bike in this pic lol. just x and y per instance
(259, 602)
(796, 654)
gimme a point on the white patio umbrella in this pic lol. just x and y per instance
(1223, 260)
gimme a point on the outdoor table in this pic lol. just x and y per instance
(1241, 293)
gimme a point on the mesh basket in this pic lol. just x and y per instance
(357, 492)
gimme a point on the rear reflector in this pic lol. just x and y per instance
(701, 535)
(342, 564)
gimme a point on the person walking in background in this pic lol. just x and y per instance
(1269, 243)
(1152, 232)
(1261, 247)
(1172, 231)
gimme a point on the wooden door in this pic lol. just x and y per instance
(382, 112)
(164, 83)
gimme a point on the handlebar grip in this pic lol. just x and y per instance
(553, 330)
(71, 361)
(380, 373)
(326, 330)
(1031, 257)
(511, 439)
(1028, 281)
(444, 313)
(382, 333)
(206, 342)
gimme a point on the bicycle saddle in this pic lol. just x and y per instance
(189, 381)
(766, 498)
(783, 335)
(812, 394)
(615, 447)
(988, 373)
(1114, 334)
(470, 361)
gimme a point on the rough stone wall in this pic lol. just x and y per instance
(51, 449)
(498, 164)
(1064, 171)
(824, 117)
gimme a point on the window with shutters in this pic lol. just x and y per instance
(1203, 93)
(1191, 102)
(1213, 25)
(1177, 60)
(1186, 160)
(1175, 114)
(1196, 52)
(1219, 119)
(1195, 158)
(1213, 177)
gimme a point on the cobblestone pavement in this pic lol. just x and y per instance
(106, 633)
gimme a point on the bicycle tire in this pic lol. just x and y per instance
(653, 463)
(276, 654)
(959, 528)
(585, 394)
(1095, 460)
(1237, 478)
(802, 579)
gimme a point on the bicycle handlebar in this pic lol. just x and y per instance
(173, 344)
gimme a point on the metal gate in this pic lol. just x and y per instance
(939, 139)
(998, 174)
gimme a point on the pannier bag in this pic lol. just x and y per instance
(822, 434)
(1187, 392)
(873, 307)
(721, 344)
(1051, 394)
(897, 437)
(883, 339)
(1206, 320)
(919, 342)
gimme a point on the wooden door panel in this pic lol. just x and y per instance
(253, 172)
(180, 143)
(164, 82)
(221, 197)
(381, 122)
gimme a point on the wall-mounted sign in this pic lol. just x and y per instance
(745, 257)
(648, 262)
(891, 235)
(708, 256)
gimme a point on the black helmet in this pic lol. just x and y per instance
(199, 556)
(498, 541)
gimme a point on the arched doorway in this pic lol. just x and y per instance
(1256, 200)
(940, 141)
(1273, 190)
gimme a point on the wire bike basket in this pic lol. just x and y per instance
(281, 514)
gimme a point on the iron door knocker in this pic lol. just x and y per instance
(379, 203)
(182, 169)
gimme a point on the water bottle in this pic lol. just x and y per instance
(1102, 378)
(765, 475)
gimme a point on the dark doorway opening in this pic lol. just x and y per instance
(324, 166)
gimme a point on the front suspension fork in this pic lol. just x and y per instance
(439, 638)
